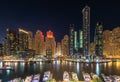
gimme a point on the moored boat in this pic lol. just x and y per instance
(86, 77)
(47, 76)
(93, 75)
(28, 78)
(36, 78)
(66, 77)
(74, 76)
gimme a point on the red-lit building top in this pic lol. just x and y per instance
(50, 34)
(42, 36)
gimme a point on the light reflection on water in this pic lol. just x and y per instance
(57, 63)
(57, 67)
(98, 68)
(22, 67)
(78, 68)
(1, 64)
(118, 65)
(8, 72)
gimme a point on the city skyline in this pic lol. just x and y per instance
(56, 16)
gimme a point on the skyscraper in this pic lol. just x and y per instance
(1, 54)
(50, 44)
(23, 39)
(65, 46)
(30, 40)
(71, 40)
(75, 42)
(4, 48)
(98, 40)
(39, 42)
(12, 42)
(81, 42)
(86, 30)
(58, 49)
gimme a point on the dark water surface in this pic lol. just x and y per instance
(57, 68)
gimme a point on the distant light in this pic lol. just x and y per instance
(21, 30)
(97, 60)
(87, 60)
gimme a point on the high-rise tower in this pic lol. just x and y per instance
(98, 40)
(50, 44)
(71, 40)
(12, 42)
(86, 30)
(30, 40)
(65, 46)
(39, 42)
(81, 42)
(75, 43)
(23, 39)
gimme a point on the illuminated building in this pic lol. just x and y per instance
(111, 43)
(98, 40)
(116, 41)
(23, 39)
(65, 46)
(58, 49)
(4, 49)
(30, 40)
(107, 43)
(71, 40)
(75, 42)
(50, 44)
(92, 49)
(12, 42)
(39, 42)
(1, 49)
(86, 30)
(81, 42)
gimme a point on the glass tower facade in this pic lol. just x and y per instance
(71, 40)
(86, 30)
(75, 42)
(80, 41)
(98, 40)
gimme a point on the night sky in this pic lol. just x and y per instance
(56, 15)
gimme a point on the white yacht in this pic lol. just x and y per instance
(66, 77)
(74, 76)
(16, 80)
(93, 75)
(28, 78)
(47, 76)
(116, 78)
(86, 77)
(6, 68)
(36, 78)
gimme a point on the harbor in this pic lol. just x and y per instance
(57, 68)
(68, 77)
